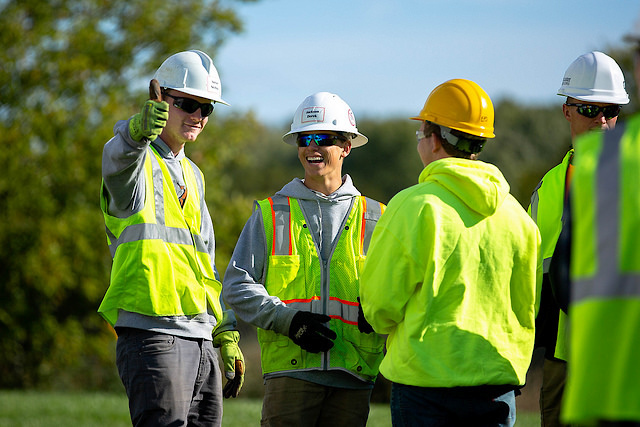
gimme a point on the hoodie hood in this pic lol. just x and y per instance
(479, 185)
(297, 190)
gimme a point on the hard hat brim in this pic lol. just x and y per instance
(594, 97)
(475, 131)
(200, 94)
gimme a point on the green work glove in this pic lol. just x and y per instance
(233, 361)
(149, 122)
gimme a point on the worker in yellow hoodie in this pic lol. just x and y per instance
(453, 275)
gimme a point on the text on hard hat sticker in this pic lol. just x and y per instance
(352, 118)
(213, 85)
(312, 114)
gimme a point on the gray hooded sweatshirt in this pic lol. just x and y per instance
(243, 288)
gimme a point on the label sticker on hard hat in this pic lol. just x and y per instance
(212, 85)
(352, 118)
(313, 114)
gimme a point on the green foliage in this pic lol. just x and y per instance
(529, 141)
(227, 154)
(625, 58)
(389, 162)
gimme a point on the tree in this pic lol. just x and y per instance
(529, 141)
(68, 70)
(389, 162)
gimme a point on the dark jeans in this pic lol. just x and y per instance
(460, 406)
(170, 381)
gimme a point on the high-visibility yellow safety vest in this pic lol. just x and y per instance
(294, 274)
(161, 266)
(547, 210)
(603, 381)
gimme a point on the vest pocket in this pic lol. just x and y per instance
(281, 270)
(278, 353)
(366, 354)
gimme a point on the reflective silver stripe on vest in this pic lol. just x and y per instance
(158, 189)
(371, 216)
(533, 205)
(282, 228)
(181, 236)
(608, 282)
(282, 225)
(535, 200)
(113, 241)
(159, 231)
(343, 310)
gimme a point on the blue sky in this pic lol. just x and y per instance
(384, 57)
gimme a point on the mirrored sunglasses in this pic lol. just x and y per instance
(190, 105)
(592, 111)
(321, 139)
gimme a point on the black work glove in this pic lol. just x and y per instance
(363, 325)
(309, 332)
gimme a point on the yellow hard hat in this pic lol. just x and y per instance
(462, 105)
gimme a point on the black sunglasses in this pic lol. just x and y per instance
(191, 105)
(591, 111)
(321, 139)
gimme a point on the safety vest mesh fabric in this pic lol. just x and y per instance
(604, 312)
(294, 274)
(161, 265)
(547, 211)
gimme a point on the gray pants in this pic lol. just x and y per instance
(169, 380)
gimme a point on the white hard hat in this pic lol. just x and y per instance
(191, 72)
(324, 111)
(594, 77)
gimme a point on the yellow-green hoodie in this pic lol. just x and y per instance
(453, 275)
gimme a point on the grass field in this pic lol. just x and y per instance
(51, 409)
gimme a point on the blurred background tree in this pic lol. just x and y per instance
(69, 69)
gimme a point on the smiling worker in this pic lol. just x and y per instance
(294, 274)
(164, 295)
